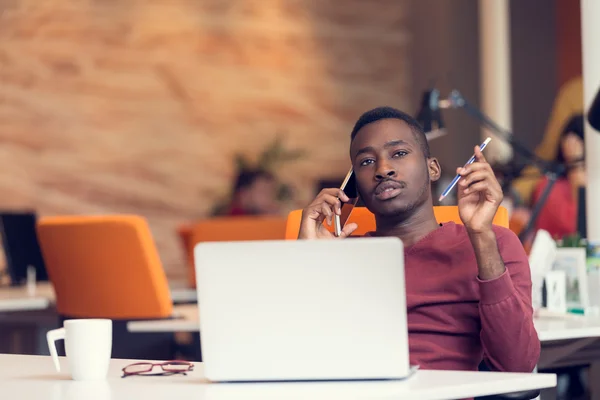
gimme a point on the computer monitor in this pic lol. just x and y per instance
(21, 247)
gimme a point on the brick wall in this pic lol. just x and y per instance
(137, 106)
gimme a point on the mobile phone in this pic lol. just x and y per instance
(349, 187)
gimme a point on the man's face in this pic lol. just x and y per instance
(392, 174)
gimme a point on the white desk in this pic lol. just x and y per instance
(178, 324)
(34, 377)
(184, 295)
(18, 298)
(556, 328)
(548, 328)
(569, 340)
(185, 320)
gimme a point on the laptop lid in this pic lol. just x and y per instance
(302, 310)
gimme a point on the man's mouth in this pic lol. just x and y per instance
(387, 190)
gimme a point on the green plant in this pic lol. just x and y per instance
(574, 240)
(271, 157)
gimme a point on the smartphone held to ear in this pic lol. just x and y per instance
(350, 189)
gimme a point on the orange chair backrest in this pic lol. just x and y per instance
(225, 229)
(366, 220)
(104, 267)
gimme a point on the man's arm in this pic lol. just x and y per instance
(489, 261)
(510, 341)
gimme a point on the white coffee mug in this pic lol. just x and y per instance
(88, 346)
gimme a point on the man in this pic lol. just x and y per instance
(468, 286)
(254, 193)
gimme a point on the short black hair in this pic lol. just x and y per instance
(247, 177)
(573, 126)
(380, 113)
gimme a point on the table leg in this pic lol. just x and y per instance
(594, 379)
(549, 394)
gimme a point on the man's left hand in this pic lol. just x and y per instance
(479, 194)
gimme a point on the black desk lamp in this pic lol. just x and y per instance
(594, 112)
(430, 116)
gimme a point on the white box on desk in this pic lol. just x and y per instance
(572, 260)
(556, 291)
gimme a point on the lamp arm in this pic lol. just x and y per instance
(458, 101)
(537, 208)
(552, 170)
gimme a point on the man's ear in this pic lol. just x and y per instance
(435, 171)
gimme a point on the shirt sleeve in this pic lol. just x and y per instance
(508, 336)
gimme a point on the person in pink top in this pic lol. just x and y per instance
(559, 214)
(468, 286)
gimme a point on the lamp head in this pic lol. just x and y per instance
(430, 116)
(594, 113)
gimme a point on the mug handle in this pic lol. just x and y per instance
(52, 336)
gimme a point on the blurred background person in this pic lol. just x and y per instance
(559, 214)
(254, 193)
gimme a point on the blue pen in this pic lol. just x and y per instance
(457, 177)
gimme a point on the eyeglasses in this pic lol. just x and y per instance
(168, 368)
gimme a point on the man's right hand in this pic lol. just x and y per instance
(324, 206)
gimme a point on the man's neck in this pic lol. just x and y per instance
(409, 228)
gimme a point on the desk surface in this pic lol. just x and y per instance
(183, 294)
(18, 298)
(33, 377)
(556, 328)
(187, 322)
(549, 328)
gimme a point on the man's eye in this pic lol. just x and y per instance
(400, 153)
(366, 162)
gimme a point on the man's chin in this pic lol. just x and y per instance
(389, 208)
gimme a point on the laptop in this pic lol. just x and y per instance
(21, 246)
(302, 310)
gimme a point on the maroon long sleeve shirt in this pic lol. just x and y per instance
(455, 319)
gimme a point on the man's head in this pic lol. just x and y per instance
(255, 191)
(392, 164)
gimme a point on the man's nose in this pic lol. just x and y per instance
(385, 172)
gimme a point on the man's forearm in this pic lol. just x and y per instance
(489, 261)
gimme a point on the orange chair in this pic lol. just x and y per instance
(366, 220)
(106, 267)
(222, 229)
